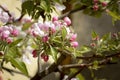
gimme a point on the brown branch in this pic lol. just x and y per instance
(98, 56)
(82, 66)
(72, 11)
(5, 10)
(10, 15)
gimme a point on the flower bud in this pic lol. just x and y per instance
(74, 44)
(46, 58)
(95, 7)
(15, 32)
(95, 1)
(55, 18)
(9, 40)
(45, 38)
(73, 37)
(67, 20)
(104, 4)
(34, 53)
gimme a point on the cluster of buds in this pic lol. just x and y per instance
(97, 4)
(45, 29)
(7, 33)
(54, 27)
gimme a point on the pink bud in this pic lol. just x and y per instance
(93, 44)
(67, 20)
(74, 44)
(55, 18)
(46, 57)
(9, 40)
(104, 4)
(56, 23)
(34, 53)
(34, 33)
(95, 7)
(95, 1)
(15, 32)
(45, 38)
(73, 37)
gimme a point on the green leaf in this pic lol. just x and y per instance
(115, 16)
(15, 43)
(53, 52)
(85, 49)
(3, 45)
(106, 36)
(94, 34)
(27, 7)
(45, 5)
(80, 77)
(64, 33)
(26, 25)
(12, 52)
(19, 64)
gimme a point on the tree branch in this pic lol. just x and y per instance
(5, 10)
(72, 11)
(99, 57)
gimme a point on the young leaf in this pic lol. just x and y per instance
(15, 43)
(27, 7)
(53, 52)
(12, 52)
(80, 77)
(19, 64)
(26, 25)
(94, 35)
(64, 33)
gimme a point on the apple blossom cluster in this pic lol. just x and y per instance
(55, 27)
(8, 32)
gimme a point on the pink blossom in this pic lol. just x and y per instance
(9, 40)
(53, 29)
(5, 34)
(74, 44)
(55, 18)
(73, 37)
(15, 32)
(67, 20)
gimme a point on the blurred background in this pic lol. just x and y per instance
(83, 25)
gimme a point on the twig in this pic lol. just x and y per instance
(10, 15)
(72, 11)
(5, 10)
(97, 56)
(82, 66)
